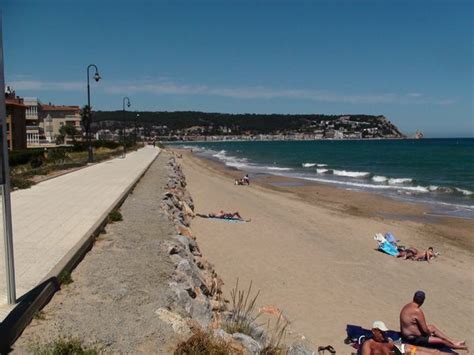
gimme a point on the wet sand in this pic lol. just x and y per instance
(310, 250)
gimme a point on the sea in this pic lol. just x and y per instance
(435, 172)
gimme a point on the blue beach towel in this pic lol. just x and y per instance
(388, 248)
(231, 220)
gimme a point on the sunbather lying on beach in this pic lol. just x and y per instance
(224, 215)
(378, 344)
(414, 254)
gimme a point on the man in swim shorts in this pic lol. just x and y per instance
(416, 332)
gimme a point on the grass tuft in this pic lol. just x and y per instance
(39, 315)
(242, 314)
(274, 344)
(65, 278)
(205, 343)
(63, 346)
(115, 216)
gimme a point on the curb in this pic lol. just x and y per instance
(29, 304)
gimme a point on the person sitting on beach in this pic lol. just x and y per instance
(414, 254)
(378, 344)
(416, 332)
(239, 182)
(246, 179)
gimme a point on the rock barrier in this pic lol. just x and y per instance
(195, 283)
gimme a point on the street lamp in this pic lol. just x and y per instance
(127, 100)
(136, 127)
(90, 157)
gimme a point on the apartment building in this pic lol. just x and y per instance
(52, 117)
(16, 121)
(33, 130)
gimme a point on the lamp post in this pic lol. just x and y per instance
(5, 189)
(136, 128)
(90, 157)
(127, 100)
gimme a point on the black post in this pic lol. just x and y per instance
(123, 122)
(90, 156)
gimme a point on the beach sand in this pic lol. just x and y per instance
(310, 251)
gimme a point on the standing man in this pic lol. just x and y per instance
(415, 331)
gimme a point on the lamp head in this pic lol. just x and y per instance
(128, 104)
(97, 76)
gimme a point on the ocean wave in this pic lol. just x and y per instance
(464, 191)
(353, 174)
(412, 189)
(395, 181)
(276, 168)
(310, 165)
(231, 161)
(220, 155)
(379, 178)
(322, 171)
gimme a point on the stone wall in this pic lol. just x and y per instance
(195, 282)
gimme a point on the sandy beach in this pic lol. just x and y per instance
(309, 249)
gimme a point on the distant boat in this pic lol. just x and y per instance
(418, 135)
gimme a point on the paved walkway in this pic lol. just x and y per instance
(51, 218)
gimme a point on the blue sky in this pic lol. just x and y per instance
(409, 60)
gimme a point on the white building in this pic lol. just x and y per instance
(32, 121)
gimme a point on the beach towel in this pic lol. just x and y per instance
(390, 238)
(231, 220)
(356, 335)
(385, 246)
(388, 248)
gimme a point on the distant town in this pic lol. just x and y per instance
(32, 123)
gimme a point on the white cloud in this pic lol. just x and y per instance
(166, 87)
(45, 85)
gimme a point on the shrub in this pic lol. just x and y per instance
(36, 162)
(63, 346)
(205, 343)
(17, 182)
(79, 147)
(20, 157)
(105, 144)
(58, 154)
(115, 216)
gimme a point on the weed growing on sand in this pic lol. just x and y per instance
(63, 346)
(274, 344)
(205, 343)
(65, 278)
(242, 314)
(39, 315)
(115, 216)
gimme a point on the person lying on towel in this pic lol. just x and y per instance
(414, 254)
(415, 331)
(226, 215)
(378, 344)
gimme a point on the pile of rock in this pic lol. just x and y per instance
(195, 282)
(198, 302)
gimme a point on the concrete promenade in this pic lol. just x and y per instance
(52, 218)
